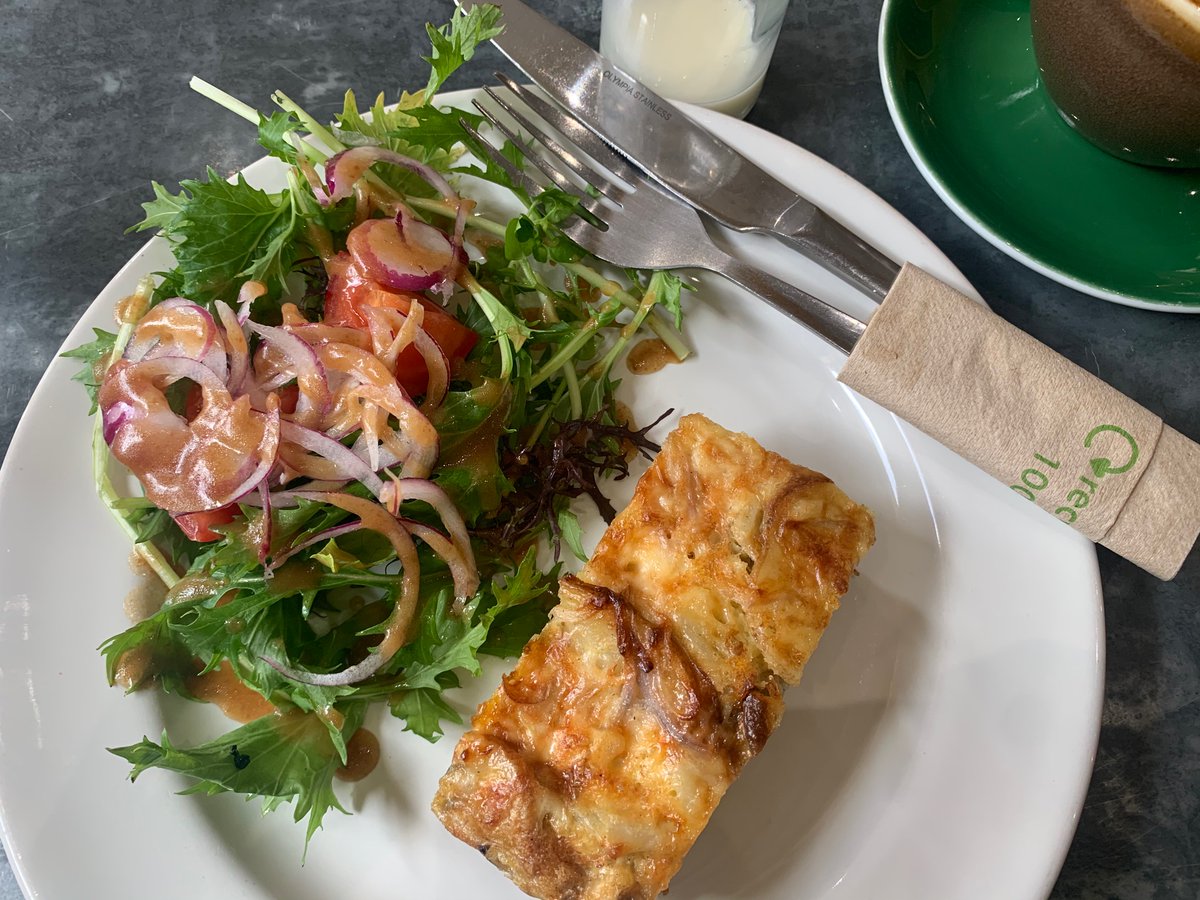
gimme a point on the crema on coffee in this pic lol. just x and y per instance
(1125, 74)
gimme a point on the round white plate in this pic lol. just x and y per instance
(939, 745)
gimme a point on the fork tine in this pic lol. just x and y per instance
(584, 233)
(526, 183)
(589, 220)
(578, 133)
(651, 230)
(545, 168)
(593, 177)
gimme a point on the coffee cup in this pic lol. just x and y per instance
(1125, 74)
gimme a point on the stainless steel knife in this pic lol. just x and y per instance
(679, 153)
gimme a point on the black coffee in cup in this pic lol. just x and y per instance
(1125, 74)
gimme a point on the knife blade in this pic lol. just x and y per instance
(678, 152)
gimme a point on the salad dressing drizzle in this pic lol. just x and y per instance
(296, 576)
(222, 688)
(148, 593)
(362, 755)
(191, 587)
(134, 668)
(478, 450)
(131, 308)
(649, 356)
(157, 445)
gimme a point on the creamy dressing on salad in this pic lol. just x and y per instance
(222, 688)
(296, 576)
(148, 593)
(131, 308)
(477, 449)
(362, 755)
(144, 599)
(134, 668)
(649, 356)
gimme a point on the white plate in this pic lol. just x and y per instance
(939, 746)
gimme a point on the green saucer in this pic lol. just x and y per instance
(964, 92)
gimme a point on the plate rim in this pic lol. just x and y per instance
(929, 172)
(1069, 819)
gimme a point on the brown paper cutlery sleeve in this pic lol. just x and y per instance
(1052, 432)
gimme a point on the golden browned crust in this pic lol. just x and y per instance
(594, 767)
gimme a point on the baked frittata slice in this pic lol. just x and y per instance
(596, 764)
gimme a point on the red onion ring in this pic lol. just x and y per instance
(178, 327)
(267, 452)
(264, 541)
(327, 535)
(314, 399)
(394, 443)
(314, 333)
(399, 490)
(372, 418)
(186, 466)
(175, 368)
(397, 626)
(416, 434)
(250, 291)
(434, 357)
(466, 578)
(438, 366)
(349, 466)
(114, 417)
(344, 169)
(237, 348)
(391, 331)
(139, 345)
(415, 440)
(116, 414)
(386, 457)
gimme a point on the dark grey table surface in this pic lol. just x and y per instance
(94, 104)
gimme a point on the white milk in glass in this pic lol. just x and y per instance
(711, 52)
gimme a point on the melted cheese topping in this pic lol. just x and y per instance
(594, 767)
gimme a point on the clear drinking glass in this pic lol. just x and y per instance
(711, 52)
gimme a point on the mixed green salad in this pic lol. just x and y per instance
(355, 407)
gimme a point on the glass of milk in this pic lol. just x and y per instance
(711, 52)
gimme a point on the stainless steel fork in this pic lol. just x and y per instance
(630, 221)
(931, 355)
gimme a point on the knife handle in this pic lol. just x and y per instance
(832, 245)
(1054, 433)
(838, 328)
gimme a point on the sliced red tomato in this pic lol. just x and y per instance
(350, 291)
(198, 525)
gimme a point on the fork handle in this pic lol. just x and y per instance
(835, 247)
(835, 326)
(1054, 433)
